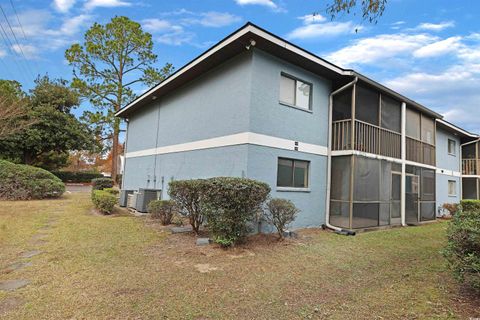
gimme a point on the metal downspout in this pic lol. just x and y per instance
(329, 154)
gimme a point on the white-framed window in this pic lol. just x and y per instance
(295, 92)
(452, 147)
(292, 173)
(452, 187)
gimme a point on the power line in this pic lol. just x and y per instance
(16, 41)
(18, 20)
(9, 45)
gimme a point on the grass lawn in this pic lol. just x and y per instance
(120, 267)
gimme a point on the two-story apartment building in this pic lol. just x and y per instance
(349, 152)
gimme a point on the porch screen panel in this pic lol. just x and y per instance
(366, 105)
(468, 151)
(385, 183)
(391, 115)
(427, 211)
(342, 105)
(340, 182)
(413, 124)
(365, 215)
(469, 188)
(428, 130)
(427, 185)
(340, 214)
(367, 179)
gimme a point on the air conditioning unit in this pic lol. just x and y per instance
(132, 200)
(124, 197)
(144, 197)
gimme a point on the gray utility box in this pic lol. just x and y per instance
(124, 197)
(144, 197)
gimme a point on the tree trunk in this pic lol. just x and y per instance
(115, 152)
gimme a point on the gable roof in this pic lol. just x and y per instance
(237, 42)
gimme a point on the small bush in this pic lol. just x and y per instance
(103, 201)
(77, 177)
(463, 246)
(187, 195)
(230, 205)
(162, 210)
(280, 212)
(22, 182)
(470, 205)
(113, 191)
(102, 183)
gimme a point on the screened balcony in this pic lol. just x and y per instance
(470, 159)
(376, 127)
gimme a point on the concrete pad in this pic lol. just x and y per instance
(181, 229)
(17, 266)
(203, 241)
(29, 254)
(11, 285)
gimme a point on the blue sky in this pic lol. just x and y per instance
(428, 50)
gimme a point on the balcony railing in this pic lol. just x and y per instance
(419, 151)
(368, 138)
(470, 166)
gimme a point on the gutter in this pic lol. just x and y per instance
(329, 160)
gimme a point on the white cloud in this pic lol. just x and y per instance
(29, 51)
(438, 48)
(435, 26)
(215, 19)
(371, 50)
(176, 36)
(317, 30)
(3, 53)
(156, 25)
(63, 5)
(91, 4)
(312, 18)
(266, 3)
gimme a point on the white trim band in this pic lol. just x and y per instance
(233, 140)
(449, 172)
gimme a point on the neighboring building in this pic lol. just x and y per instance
(329, 139)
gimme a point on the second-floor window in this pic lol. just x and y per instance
(452, 145)
(295, 92)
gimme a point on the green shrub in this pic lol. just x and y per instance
(230, 204)
(113, 191)
(470, 205)
(103, 201)
(102, 183)
(22, 182)
(187, 195)
(162, 210)
(77, 177)
(463, 246)
(280, 212)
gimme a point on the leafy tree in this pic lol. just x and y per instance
(113, 58)
(371, 10)
(13, 112)
(56, 131)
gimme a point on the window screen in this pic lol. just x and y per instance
(295, 92)
(428, 130)
(452, 187)
(367, 179)
(366, 105)
(469, 188)
(468, 151)
(340, 214)
(342, 105)
(365, 215)
(452, 146)
(413, 124)
(427, 211)
(428, 185)
(292, 173)
(391, 114)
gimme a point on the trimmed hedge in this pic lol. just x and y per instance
(231, 204)
(463, 246)
(162, 210)
(23, 182)
(113, 191)
(470, 205)
(104, 201)
(102, 183)
(77, 177)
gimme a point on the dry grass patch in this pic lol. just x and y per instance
(120, 266)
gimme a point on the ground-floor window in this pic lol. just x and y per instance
(452, 187)
(292, 173)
